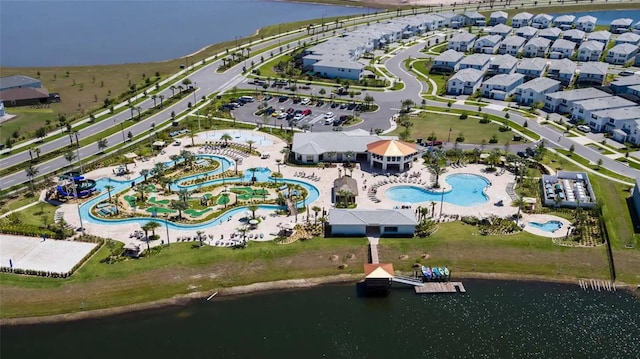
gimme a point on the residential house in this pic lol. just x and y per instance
(527, 32)
(458, 21)
(313, 147)
(590, 51)
(592, 74)
(475, 61)
(534, 91)
(498, 17)
(512, 45)
(432, 22)
(621, 85)
(500, 87)
(562, 49)
(637, 63)
(623, 119)
(532, 68)
(521, 19)
(474, 18)
(622, 54)
(562, 101)
(339, 68)
(630, 119)
(634, 91)
(619, 26)
(537, 47)
(636, 28)
(447, 17)
(500, 29)
(541, 21)
(564, 22)
(502, 64)
(462, 42)
(628, 38)
(562, 70)
(464, 82)
(583, 110)
(602, 36)
(487, 44)
(586, 23)
(574, 35)
(550, 33)
(384, 222)
(19, 81)
(24, 96)
(447, 62)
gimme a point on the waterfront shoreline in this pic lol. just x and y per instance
(265, 287)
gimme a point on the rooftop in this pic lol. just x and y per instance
(373, 217)
(624, 113)
(587, 18)
(627, 81)
(539, 84)
(563, 44)
(310, 143)
(599, 35)
(522, 16)
(388, 148)
(514, 41)
(449, 56)
(592, 45)
(503, 79)
(605, 103)
(624, 48)
(463, 37)
(579, 94)
(23, 93)
(594, 67)
(468, 75)
(16, 81)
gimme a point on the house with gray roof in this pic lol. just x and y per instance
(562, 101)
(534, 91)
(635, 28)
(447, 62)
(501, 86)
(502, 64)
(500, 29)
(634, 90)
(498, 17)
(359, 222)
(550, 33)
(562, 70)
(602, 36)
(446, 17)
(487, 44)
(314, 147)
(339, 68)
(462, 42)
(637, 63)
(541, 21)
(561, 49)
(512, 45)
(629, 117)
(582, 110)
(532, 68)
(618, 26)
(586, 23)
(432, 21)
(590, 51)
(592, 74)
(618, 118)
(628, 38)
(622, 54)
(458, 21)
(622, 84)
(574, 35)
(537, 47)
(19, 81)
(527, 32)
(475, 61)
(464, 82)
(565, 22)
(521, 19)
(474, 18)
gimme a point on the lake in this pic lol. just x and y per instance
(494, 319)
(61, 33)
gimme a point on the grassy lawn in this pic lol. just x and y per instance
(474, 132)
(601, 149)
(423, 68)
(583, 161)
(27, 120)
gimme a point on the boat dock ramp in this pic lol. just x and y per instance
(440, 287)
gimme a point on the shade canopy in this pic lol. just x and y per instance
(392, 148)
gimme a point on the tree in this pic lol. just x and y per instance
(368, 100)
(109, 188)
(161, 99)
(188, 157)
(599, 163)
(153, 225)
(494, 157)
(285, 152)
(41, 133)
(146, 228)
(519, 202)
(424, 212)
(140, 188)
(407, 104)
(253, 208)
(102, 144)
(226, 138)
(201, 237)
(183, 195)
(173, 90)
(250, 143)
(159, 169)
(316, 210)
(31, 172)
(69, 156)
(436, 170)
(145, 173)
(571, 149)
(186, 82)
(178, 206)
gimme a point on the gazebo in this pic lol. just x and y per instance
(392, 155)
(347, 187)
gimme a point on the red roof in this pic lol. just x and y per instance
(24, 93)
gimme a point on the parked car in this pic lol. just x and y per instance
(522, 154)
(334, 105)
(328, 120)
(584, 128)
(298, 117)
(283, 98)
(328, 115)
(433, 143)
(306, 112)
(305, 101)
(282, 116)
(268, 97)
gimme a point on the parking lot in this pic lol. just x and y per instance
(315, 121)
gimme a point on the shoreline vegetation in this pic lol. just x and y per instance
(265, 287)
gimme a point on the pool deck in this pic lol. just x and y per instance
(542, 218)
(270, 226)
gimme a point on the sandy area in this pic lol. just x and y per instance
(43, 255)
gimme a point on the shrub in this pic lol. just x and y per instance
(470, 220)
(485, 119)
(463, 116)
(504, 128)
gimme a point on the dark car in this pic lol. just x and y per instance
(433, 143)
(268, 97)
(290, 110)
(530, 151)
(282, 99)
(297, 100)
(351, 106)
(343, 106)
(522, 154)
(334, 105)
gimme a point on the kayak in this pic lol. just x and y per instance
(446, 271)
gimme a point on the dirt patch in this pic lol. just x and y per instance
(334, 258)
(403, 257)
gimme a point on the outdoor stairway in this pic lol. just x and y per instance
(511, 192)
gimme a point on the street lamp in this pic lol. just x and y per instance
(75, 188)
(78, 152)
(441, 201)
(166, 224)
(449, 138)
(122, 129)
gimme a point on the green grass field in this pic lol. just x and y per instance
(27, 121)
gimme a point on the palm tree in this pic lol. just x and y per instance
(180, 88)
(253, 208)
(31, 172)
(316, 210)
(102, 144)
(145, 173)
(433, 208)
(250, 143)
(178, 206)
(153, 225)
(161, 99)
(226, 138)
(37, 151)
(188, 157)
(154, 97)
(140, 189)
(331, 154)
(183, 195)
(424, 212)
(494, 157)
(173, 90)
(70, 156)
(436, 169)
(349, 155)
(146, 228)
(159, 168)
(285, 152)
(519, 202)
(201, 236)
(109, 188)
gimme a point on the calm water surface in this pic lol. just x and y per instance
(60, 33)
(495, 319)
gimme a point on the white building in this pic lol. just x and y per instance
(314, 147)
(537, 47)
(521, 19)
(586, 23)
(565, 22)
(500, 87)
(562, 101)
(498, 17)
(590, 51)
(541, 21)
(562, 49)
(378, 222)
(622, 54)
(487, 44)
(619, 26)
(592, 73)
(391, 155)
(574, 35)
(535, 91)
(462, 42)
(464, 82)
(512, 45)
(583, 110)
(602, 36)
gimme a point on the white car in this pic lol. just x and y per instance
(305, 101)
(584, 128)
(282, 115)
(328, 115)
(298, 117)
(328, 121)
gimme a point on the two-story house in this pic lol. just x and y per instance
(487, 44)
(562, 101)
(521, 19)
(619, 26)
(502, 64)
(537, 47)
(622, 54)
(635, 28)
(512, 45)
(532, 68)
(500, 29)
(586, 23)
(534, 91)
(602, 36)
(475, 61)
(562, 70)
(474, 18)
(550, 33)
(447, 62)
(583, 110)
(590, 51)
(564, 22)
(498, 17)
(527, 32)
(501, 86)
(462, 42)
(561, 49)
(574, 35)
(541, 21)
(614, 119)
(622, 84)
(465, 82)
(592, 74)
(628, 38)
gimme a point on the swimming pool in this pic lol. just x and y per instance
(549, 226)
(466, 190)
(258, 138)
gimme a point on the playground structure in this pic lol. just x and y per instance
(73, 184)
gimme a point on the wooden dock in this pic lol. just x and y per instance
(373, 250)
(440, 287)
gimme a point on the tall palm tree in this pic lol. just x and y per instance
(188, 157)
(109, 188)
(146, 228)
(69, 156)
(226, 138)
(154, 97)
(161, 99)
(31, 172)
(178, 206)
(437, 170)
(159, 169)
(250, 143)
(494, 157)
(285, 151)
(145, 173)
(153, 225)
(37, 151)
(103, 143)
(183, 195)
(253, 208)
(519, 202)
(139, 188)
(316, 210)
(173, 90)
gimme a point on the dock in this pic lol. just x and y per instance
(440, 287)
(373, 251)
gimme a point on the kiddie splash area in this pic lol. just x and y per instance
(73, 184)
